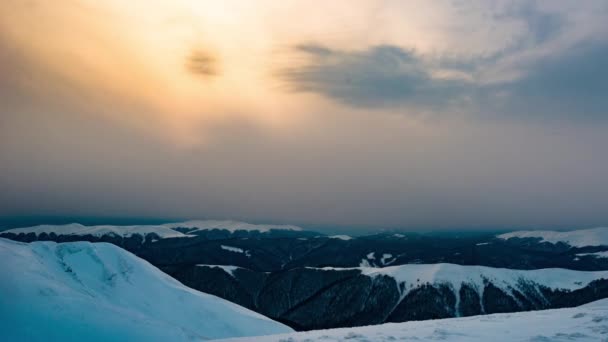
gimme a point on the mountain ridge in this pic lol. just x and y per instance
(99, 291)
(363, 296)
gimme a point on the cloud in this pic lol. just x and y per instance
(202, 63)
(96, 122)
(383, 75)
(565, 84)
(568, 85)
(541, 26)
(552, 67)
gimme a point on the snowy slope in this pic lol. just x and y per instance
(586, 323)
(414, 275)
(167, 230)
(80, 290)
(555, 278)
(228, 269)
(341, 237)
(602, 255)
(575, 238)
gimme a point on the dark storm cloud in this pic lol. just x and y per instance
(382, 75)
(571, 84)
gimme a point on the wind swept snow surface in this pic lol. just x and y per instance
(99, 292)
(585, 323)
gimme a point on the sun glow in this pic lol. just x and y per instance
(185, 66)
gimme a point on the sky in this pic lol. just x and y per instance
(405, 114)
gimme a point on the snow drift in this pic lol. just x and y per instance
(585, 323)
(97, 291)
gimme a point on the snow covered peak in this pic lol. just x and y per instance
(456, 275)
(575, 238)
(230, 225)
(163, 231)
(82, 290)
(98, 231)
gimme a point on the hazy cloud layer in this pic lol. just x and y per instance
(289, 112)
(571, 85)
(541, 26)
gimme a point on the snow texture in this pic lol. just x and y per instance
(99, 292)
(585, 323)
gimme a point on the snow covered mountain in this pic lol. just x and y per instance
(477, 277)
(585, 323)
(163, 231)
(575, 238)
(292, 275)
(313, 298)
(85, 291)
(271, 248)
